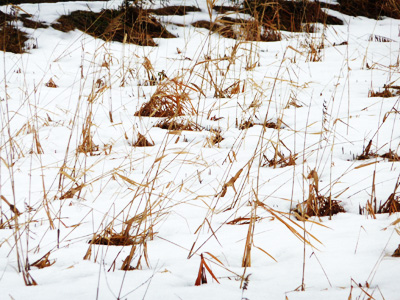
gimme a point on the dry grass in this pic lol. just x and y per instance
(396, 253)
(111, 238)
(141, 141)
(177, 124)
(317, 204)
(43, 262)
(87, 145)
(51, 83)
(391, 156)
(202, 276)
(386, 93)
(171, 99)
(279, 159)
(367, 153)
(390, 206)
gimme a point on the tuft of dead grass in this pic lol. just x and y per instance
(386, 93)
(43, 262)
(317, 204)
(202, 276)
(390, 206)
(51, 83)
(396, 252)
(176, 124)
(171, 99)
(391, 156)
(112, 238)
(215, 138)
(279, 160)
(141, 141)
(367, 153)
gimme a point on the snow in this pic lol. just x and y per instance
(181, 178)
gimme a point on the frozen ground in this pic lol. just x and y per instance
(177, 196)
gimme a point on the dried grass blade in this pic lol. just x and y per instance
(214, 257)
(265, 252)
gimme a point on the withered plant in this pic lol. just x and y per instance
(141, 141)
(177, 124)
(202, 276)
(51, 83)
(171, 99)
(317, 204)
(314, 50)
(390, 206)
(87, 145)
(386, 93)
(396, 252)
(367, 153)
(279, 159)
(391, 156)
(43, 262)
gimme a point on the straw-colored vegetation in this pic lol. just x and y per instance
(151, 161)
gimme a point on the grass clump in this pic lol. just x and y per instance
(170, 99)
(317, 204)
(396, 253)
(176, 124)
(386, 93)
(390, 206)
(141, 141)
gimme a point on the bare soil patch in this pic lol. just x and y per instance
(270, 16)
(369, 8)
(288, 15)
(131, 25)
(11, 38)
(174, 10)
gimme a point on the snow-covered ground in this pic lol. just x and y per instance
(180, 196)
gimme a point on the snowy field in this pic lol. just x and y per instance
(275, 126)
